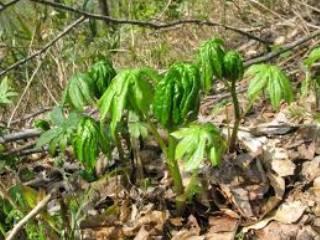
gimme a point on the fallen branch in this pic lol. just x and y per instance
(25, 134)
(47, 46)
(282, 49)
(149, 24)
(42, 204)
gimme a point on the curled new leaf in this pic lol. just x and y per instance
(130, 90)
(233, 66)
(86, 142)
(79, 91)
(273, 80)
(101, 74)
(199, 142)
(211, 55)
(177, 95)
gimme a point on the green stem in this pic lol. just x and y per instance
(237, 114)
(174, 167)
(157, 136)
(169, 152)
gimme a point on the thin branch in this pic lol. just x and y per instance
(47, 46)
(41, 205)
(149, 24)
(6, 5)
(282, 50)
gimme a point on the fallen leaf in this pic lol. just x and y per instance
(311, 169)
(222, 228)
(142, 234)
(290, 212)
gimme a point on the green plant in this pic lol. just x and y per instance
(272, 79)
(83, 88)
(227, 66)
(232, 72)
(176, 101)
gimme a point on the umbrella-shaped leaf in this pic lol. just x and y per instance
(273, 80)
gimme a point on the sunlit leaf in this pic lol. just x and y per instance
(130, 90)
(272, 79)
(177, 95)
(197, 143)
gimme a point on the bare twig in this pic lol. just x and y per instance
(47, 46)
(41, 205)
(6, 5)
(149, 24)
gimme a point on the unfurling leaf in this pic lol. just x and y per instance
(86, 142)
(211, 55)
(79, 91)
(130, 90)
(273, 80)
(199, 142)
(101, 74)
(177, 95)
(233, 66)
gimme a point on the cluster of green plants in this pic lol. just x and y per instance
(135, 103)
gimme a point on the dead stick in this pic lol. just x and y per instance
(25, 134)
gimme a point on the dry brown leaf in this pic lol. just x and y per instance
(283, 167)
(187, 235)
(311, 169)
(290, 212)
(153, 221)
(307, 151)
(242, 201)
(222, 228)
(142, 234)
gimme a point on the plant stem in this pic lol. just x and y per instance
(157, 136)
(237, 114)
(173, 166)
(169, 152)
(119, 146)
